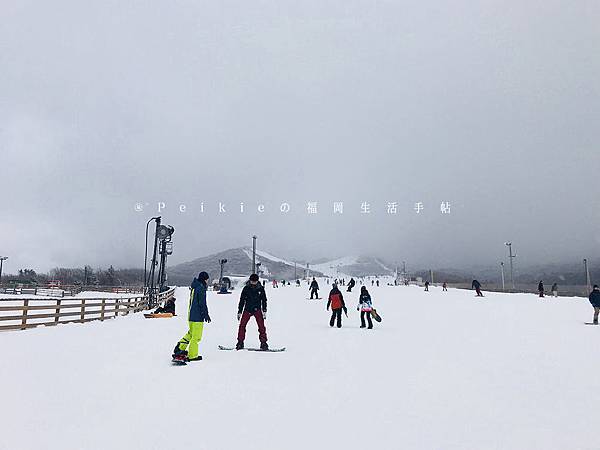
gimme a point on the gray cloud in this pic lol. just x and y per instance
(493, 107)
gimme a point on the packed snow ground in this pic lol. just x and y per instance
(444, 370)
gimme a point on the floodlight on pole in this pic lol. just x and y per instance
(2, 259)
(511, 257)
(254, 253)
(502, 267)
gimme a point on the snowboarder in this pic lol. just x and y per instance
(555, 290)
(595, 301)
(351, 284)
(169, 307)
(444, 287)
(253, 302)
(297, 283)
(427, 286)
(314, 289)
(187, 348)
(336, 301)
(541, 289)
(477, 286)
(275, 283)
(377, 283)
(365, 306)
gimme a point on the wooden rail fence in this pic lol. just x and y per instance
(30, 312)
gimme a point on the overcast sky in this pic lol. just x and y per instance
(492, 106)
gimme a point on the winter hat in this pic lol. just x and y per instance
(253, 277)
(203, 276)
(595, 286)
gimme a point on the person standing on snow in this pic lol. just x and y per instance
(365, 306)
(477, 286)
(351, 284)
(554, 290)
(336, 301)
(427, 286)
(314, 289)
(187, 348)
(253, 302)
(541, 289)
(444, 287)
(595, 301)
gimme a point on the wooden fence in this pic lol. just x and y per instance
(68, 290)
(31, 312)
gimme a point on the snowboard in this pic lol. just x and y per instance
(376, 316)
(250, 349)
(158, 316)
(178, 361)
(318, 298)
(590, 323)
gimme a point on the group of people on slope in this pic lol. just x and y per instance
(253, 303)
(337, 304)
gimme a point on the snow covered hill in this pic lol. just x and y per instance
(444, 370)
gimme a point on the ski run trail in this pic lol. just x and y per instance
(443, 370)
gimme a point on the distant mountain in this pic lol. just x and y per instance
(239, 262)
(353, 266)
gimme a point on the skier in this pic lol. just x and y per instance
(595, 301)
(297, 283)
(477, 286)
(351, 284)
(444, 287)
(427, 286)
(372, 283)
(187, 348)
(377, 283)
(541, 288)
(253, 302)
(314, 289)
(275, 283)
(365, 306)
(336, 301)
(555, 290)
(169, 307)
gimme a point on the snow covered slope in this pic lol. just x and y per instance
(444, 370)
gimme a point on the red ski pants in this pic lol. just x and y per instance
(262, 331)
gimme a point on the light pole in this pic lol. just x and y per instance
(502, 267)
(295, 272)
(510, 258)
(2, 259)
(588, 283)
(254, 254)
(222, 263)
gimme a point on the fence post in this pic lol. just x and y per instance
(116, 307)
(25, 310)
(57, 311)
(82, 311)
(102, 310)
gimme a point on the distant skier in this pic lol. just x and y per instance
(253, 302)
(477, 286)
(365, 306)
(444, 287)
(372, 283)
(187, 348)
(336, 301)
(541, 289)
(351, 284)
(427, 286)
(555, 290)
(377, 283)
(595, 301)
(275, 283)
(314, 289)
(297, 283)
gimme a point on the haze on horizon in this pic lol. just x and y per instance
(493, 107)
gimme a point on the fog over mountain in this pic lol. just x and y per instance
(489, 108)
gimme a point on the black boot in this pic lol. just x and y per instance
(177, 351)
(264, 346)
(239, 345)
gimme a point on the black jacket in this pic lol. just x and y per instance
(252, 299)
(540, 287)
(476, 284)
(595, 298)
(314, 285)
